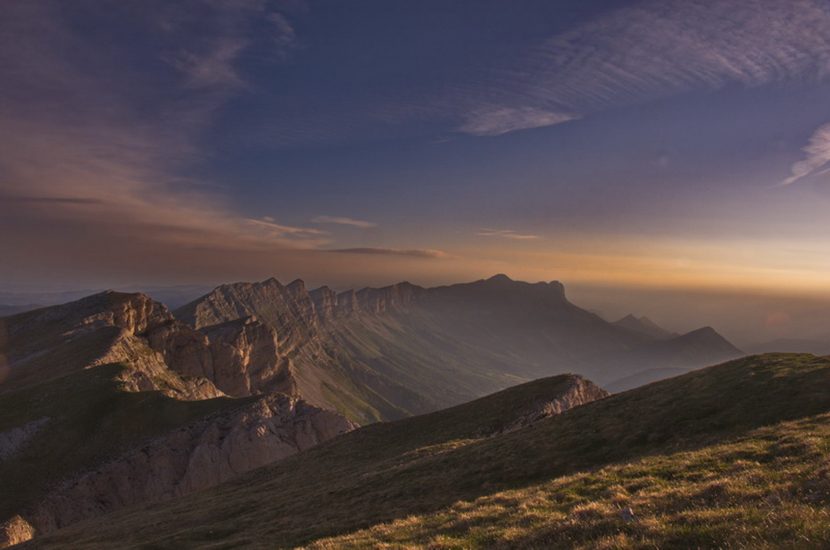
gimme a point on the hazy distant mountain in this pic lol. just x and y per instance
(644, 325)
(704, 460)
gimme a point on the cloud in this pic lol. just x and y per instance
(213, 68)
(341, 220)
(78, 132)
(281, 230)
(496, 121)
(414, 253)
(47, 200)
(817, 156)
(506, 234)
(643, 52)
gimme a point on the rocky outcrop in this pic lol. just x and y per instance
(146, 370)
(192, 458)
(579, 392)
(325, 302)
(247, 359)
(388, 298)
(156, 352)
(15, 531)
(185, 350)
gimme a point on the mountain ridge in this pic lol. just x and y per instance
(389, 475)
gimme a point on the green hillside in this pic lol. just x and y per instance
(715, 427)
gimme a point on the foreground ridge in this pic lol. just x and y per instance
(460, 463)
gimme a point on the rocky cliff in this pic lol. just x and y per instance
(124, 369)
(579, 391)
(192, 458)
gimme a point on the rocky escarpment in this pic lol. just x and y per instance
(247, 359)
(237, 358)
(579, 392)
(137, 346)
(190, 459)
(293, 310)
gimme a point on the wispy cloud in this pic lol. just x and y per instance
(646, 51)
(414, 253)
(496, 121)
(506, 234)
(817, 156)
(48, 200)
(79, 134)
(638, 53)
(342, 220)
(281, 230)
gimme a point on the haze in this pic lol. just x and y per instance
(659, 158)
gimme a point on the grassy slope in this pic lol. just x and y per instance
(769, 489)
(427, 464)
(91, 419)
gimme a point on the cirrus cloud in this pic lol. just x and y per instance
(817, 156)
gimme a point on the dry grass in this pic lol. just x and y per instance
(770, 489)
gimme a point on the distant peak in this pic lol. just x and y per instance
(500, 278)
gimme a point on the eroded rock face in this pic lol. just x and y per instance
(580, 392)
(243, 357)
(247, 358)
(15, 531)
(193, 458)
(147, 371)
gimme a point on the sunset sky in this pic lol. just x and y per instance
(658, 150)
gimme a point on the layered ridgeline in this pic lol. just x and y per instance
(110, 401)
(400, 350)
(729, 456)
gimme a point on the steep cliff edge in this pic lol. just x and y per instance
(191, 458)
(111, 401)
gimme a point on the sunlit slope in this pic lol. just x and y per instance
(424, 466)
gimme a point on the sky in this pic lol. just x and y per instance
(672, 153)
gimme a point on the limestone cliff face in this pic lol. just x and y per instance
(190, 459)
(14, 531)
(325, 302)
(247, 358)
(240, 358)
(579, 392)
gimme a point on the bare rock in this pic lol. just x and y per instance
(580, 392)
(196, 457)
(15, 531)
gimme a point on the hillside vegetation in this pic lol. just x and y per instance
(679, 461)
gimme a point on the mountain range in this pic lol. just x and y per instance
(380, 354)
(165, 404)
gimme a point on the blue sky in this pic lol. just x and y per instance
(656, 145)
